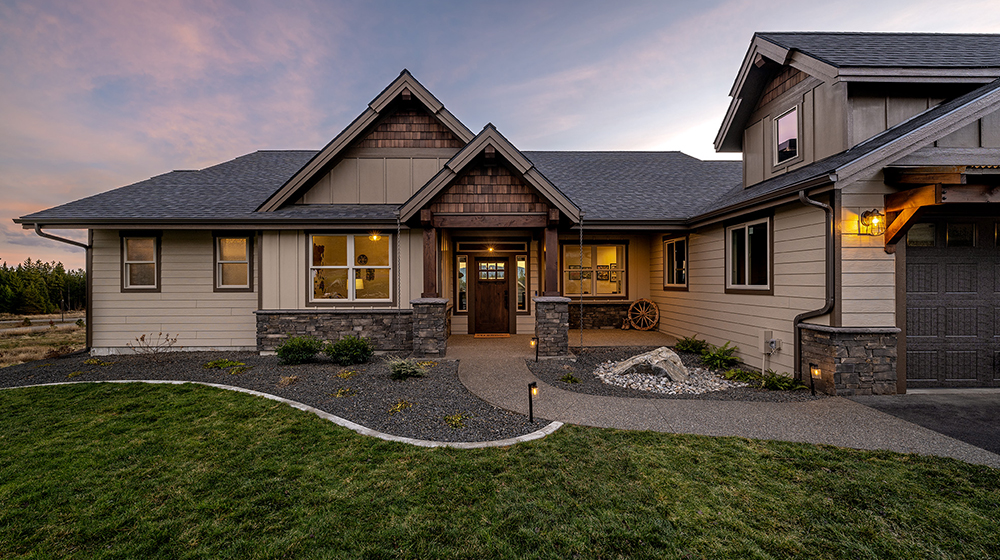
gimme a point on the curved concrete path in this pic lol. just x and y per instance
(494, 369)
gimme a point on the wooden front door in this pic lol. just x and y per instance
(492, 299)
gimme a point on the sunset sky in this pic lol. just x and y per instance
(96, 95)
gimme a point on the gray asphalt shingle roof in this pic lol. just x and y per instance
(738, 195)
(903, 50)
(637, 185)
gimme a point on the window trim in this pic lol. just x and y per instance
(527, 283)
(216, 263)
(593, 242)
(158, 263)
(310, 302)
(752, 289)
(799, 155)
(672, 240)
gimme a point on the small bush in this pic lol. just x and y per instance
(457, 420)
(75, 374)
(347, 374)
(344, 392)
(569, 378)
(691, 344)
(81, 323)
(222, 364)
(239, 369)
(351, 350)
(97, 362)
(720, 357)
(743, 375)
(26, 322)
(298, 350)
(403, 369)
(776, 382)
(399, 406)
(153, 348)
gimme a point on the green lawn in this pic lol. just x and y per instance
(144, 471)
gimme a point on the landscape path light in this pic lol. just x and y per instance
(532, 392)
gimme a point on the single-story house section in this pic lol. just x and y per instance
(855, 245)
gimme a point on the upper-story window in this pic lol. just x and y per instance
(786, 136)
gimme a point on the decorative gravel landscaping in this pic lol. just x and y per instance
(436, 407)
(704, 384)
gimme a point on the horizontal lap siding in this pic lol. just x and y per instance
(706, 311)
(868, 273)
(286, 270)
(186, 306)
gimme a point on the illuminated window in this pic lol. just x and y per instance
(462, 283)
(597, 271)
(522, 282)
(232, 263)
(351, 267)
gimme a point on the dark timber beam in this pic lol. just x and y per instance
(929, 195)
(946, 175)
(551, 261)
(489, 221)
(430, 255)
(899, 226)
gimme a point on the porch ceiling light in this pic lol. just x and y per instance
(374, 235)
(871, 222)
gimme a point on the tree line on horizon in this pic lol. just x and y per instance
(41, 287)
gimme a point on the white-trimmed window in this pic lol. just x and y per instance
(140, 263)
(233, 263)
(350, 267)
(748, 255)
(786, 136)
(597, 271)
(675, 263)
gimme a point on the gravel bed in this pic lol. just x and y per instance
(366, 395)
(588, 367)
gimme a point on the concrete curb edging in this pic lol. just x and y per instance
(537, 434)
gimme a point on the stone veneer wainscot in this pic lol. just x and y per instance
(854, 360)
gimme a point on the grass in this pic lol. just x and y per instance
(150, 471)
(18, 346)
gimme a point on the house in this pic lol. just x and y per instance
(855, 245)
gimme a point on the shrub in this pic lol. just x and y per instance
(351, 350)
(569, 378)
(743, 375)
(399, 406)
(402, 369)
(153, 348)
(26, 322)
(691, 344)
(222, 364)
(720, 357)
(81, 323)
(777, 382)
(457, 420)
(298, 350)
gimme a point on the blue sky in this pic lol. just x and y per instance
(96, 95)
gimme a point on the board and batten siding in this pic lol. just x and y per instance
(706, 311)
(186, 306)
(285, 278)
(373, 180)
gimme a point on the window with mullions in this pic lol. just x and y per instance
(675, 263)
(232, 263)
(140, 263)
(597, 271)
(348, 267)
(748, 255)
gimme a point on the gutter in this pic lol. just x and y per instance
(831, 294)
(89, 265)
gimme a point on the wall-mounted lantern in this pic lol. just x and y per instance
(871, 222)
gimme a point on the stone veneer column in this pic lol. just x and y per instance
(431, 326)
(854, 360)
(552, 325)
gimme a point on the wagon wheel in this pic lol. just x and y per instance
(643, 314)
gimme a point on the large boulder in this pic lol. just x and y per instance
(662, 361)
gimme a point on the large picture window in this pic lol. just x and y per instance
(233, 258)
(675, 263)
(748, 255)
(140, 263)
(597, 271)
(349, 267)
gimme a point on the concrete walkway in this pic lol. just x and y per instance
(494, 369)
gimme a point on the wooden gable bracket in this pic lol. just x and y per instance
(902, 209)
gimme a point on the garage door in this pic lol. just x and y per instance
(953, 304)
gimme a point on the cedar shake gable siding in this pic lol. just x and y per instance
(489, 189)
(409, 128)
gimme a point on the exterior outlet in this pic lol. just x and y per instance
(767, 344)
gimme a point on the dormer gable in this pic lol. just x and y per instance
(402, 138)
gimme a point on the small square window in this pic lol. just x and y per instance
(140, 263)
(233, 263)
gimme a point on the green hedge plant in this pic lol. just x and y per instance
(351, 350)
(298, 350)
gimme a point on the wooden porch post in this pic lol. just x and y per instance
(552, 255)
(430, 256)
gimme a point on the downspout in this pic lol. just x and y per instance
(831, 294)
(89, 260)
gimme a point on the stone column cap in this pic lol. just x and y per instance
(551, 299)
(850, 330)
(429, 301)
